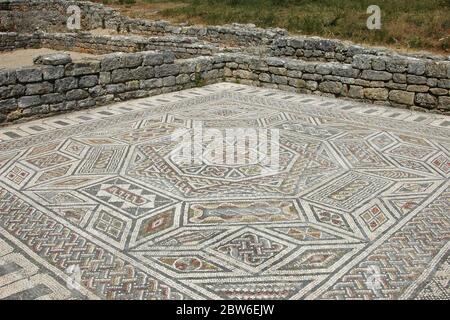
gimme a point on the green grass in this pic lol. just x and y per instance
(415, 24)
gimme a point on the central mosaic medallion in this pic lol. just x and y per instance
(301, 165)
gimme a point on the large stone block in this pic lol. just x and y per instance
(152, 58)
(133, 95)
(283, 80)
(29, 101)
(243, 74)
(53, 59)
(437, 69)
(312, 85)
(293, 74)
(8, 105)
(26, 75)
(144, 72)
(275, 62)
(444, 103)
(97, 91)
(444, 83)
(83, 67)
(379, 63)
(12, 91)
(121, 75)
(104, 78)
(52, 98)
(399, 78)
(402, 97)
(376, 75)
(311, 76)
(210, 75)
(376, 93)
(362, 61)
(411, 79)
(417, 88)
(397, 64)
(65, 84)
(278, 71)
(86, 103)
(167, 70)
(52, 72)
(183, 79)
(111, 62)
(39, 88)
(88, 81)
(356, 92)
(169, 81)
(168, 57)
(132, 85)
(330, 87)
(264, 77)
(116, 88)
(425, 100)
(345, 70)
(7, 77)
(151, 83)
(395, 86)
(416, 67)
(439, 91)
(132, 60)
(77, 94)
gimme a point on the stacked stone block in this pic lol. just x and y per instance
(10, 41)
(328, 50)
(29, 15)
(56, 83)
(182, 47)
(419, 84)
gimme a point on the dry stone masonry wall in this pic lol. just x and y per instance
(188, 56)
(399, 81)
(56, 83)
(10, 41)
(29, 15)
(182, 47)
(320, 49)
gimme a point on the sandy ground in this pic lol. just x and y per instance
(24, 57)
(103, 32)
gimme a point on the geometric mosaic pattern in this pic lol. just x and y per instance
(93, 204)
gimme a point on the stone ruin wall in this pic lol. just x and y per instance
(182, 47)
(194, 56)
(332, 50)
(56, 83)
(26, 16)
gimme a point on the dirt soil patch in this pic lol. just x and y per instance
(24, 57)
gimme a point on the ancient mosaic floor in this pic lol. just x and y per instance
(360, 208)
